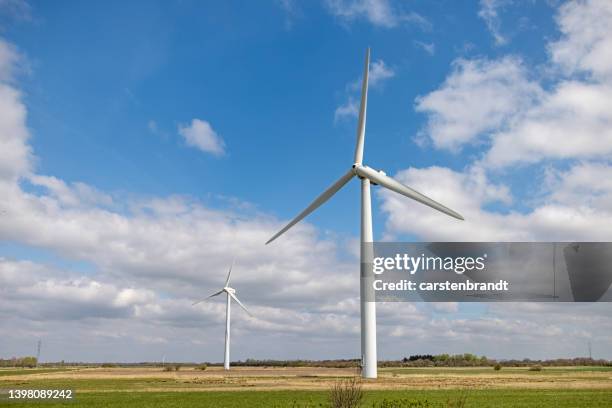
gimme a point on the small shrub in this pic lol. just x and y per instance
(457, 402)
(346, 394)
(535, 368)
(108, 365)
(497, 367)
(177, 367)
(202, 367)
(168, 368)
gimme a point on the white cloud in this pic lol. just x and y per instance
(479, 96)
(15, 153)
(376, 12)
(74, 195)
(489, 12)
(349, 109)
(200, 134)
(46, 294)
(560, 216)
(574, 120)
(586, 41)
(379, 73)
(586, 184)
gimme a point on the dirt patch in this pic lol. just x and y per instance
(313, 378)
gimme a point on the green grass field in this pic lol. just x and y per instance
(553, 387)
(256, 399)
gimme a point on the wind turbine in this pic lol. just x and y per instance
(231, 294)
(368, 176)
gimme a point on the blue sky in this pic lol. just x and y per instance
(496, 108)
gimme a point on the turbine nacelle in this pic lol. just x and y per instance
(231, 292)
(357, 169)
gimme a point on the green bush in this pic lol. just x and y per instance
(497, 367)
(202, 367)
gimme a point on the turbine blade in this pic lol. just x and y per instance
(394, 185)
(316, 203)
(239, 302)
(206, 298)
(362, 111)
(229, 274)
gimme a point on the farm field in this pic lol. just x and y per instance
(308, 386)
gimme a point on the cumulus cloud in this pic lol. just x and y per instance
(377, 12)
(40, 293)
(571, 121)
(200, 134)
(586, 41)
(499, 102)
(479, 96)
(470, 192)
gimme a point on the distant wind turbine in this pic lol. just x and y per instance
(368, 176)
(231, 294)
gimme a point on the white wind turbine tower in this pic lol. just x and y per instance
(230, 294)
(368, 176)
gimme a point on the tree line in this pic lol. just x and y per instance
(416, 360)
(21, 362)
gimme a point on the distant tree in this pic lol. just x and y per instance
(421, 357)
(28, 362)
